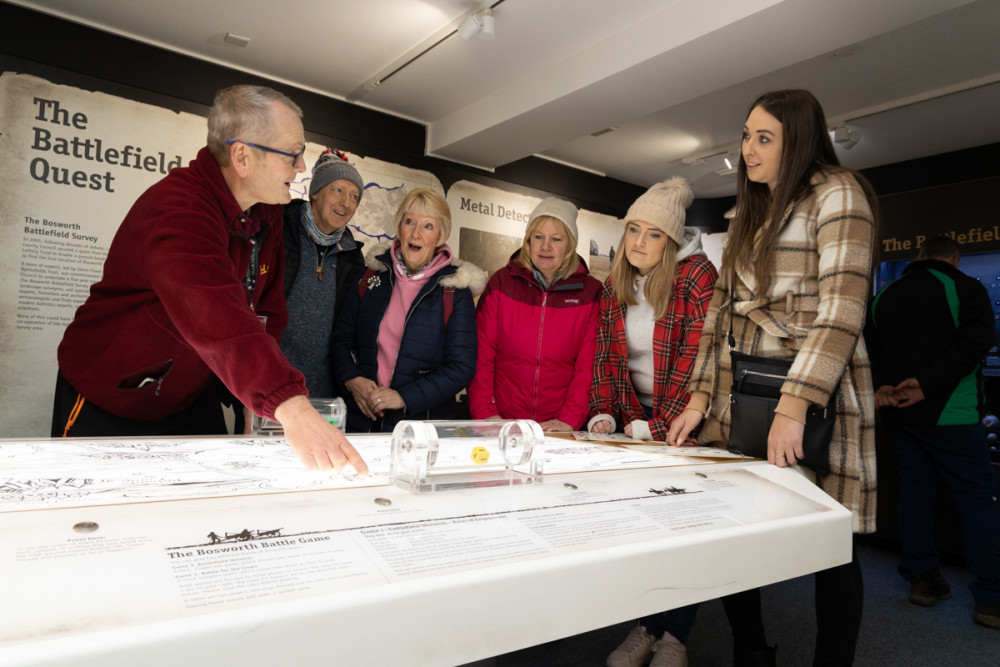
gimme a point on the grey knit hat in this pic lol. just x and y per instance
(563, 211)
(663, 205)
(331, 166)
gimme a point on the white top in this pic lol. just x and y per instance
(639, 325)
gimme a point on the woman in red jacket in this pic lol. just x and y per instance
(537, 323)
(653, 306)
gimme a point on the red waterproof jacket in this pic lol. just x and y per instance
(172, 309)
(536, 347)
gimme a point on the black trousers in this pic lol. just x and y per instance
(75, 417)
(839, 603)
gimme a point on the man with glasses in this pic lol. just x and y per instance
(191, 303)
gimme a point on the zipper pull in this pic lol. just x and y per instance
(319, 272)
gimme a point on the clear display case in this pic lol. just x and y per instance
(334, 410)
(438, 455)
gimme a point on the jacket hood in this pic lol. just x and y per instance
(691, 244)
(465, 275)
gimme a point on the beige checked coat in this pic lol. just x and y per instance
(813, 312)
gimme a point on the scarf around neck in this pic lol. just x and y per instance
(318, 237)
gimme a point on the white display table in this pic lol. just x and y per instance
(372, 574)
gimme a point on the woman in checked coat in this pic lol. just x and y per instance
(799, 257)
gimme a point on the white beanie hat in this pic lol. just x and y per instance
(563, 211)
(663, 206)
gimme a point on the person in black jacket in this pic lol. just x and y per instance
(927, 336)
(405, 340)
(322, 262)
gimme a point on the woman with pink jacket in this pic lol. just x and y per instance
(537, 328)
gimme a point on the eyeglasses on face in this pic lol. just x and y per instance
(295, 156)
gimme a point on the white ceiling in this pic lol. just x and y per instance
(672, 78)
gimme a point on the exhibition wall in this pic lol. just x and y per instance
(88, 120)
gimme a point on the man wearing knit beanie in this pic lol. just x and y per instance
(333, 166)
(322, 261)
(663, 206)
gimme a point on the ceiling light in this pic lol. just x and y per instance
(482, 24)
(470, 27)
(846, 138)
(730, 160)
(489, 26)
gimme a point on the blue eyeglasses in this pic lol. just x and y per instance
(295, 156)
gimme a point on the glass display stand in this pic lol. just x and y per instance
(441, 455)
(334, 410)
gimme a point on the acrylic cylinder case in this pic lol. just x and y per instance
(334, 410)
(439, 455)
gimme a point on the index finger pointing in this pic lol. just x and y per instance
(346, 453)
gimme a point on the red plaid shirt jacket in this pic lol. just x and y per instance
(675, 346)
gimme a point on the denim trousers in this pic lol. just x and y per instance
(960, 455)
(677, 622)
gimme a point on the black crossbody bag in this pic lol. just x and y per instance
(753, 398)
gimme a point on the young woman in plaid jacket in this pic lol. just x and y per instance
(653, 306)
(799, 256)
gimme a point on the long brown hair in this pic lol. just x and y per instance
(806, 150)
(659, 282)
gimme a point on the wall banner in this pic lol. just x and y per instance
(964, 211)
(75, 163)
(491, 223)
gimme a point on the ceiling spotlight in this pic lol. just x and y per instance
(846, 138)
(482, 24)
(489, 26)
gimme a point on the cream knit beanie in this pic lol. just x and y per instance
(559, 209)
(663, 205)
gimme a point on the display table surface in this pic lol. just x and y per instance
(222, 551)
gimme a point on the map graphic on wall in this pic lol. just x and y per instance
(386, 185)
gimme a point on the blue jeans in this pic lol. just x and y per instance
(960, 454)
